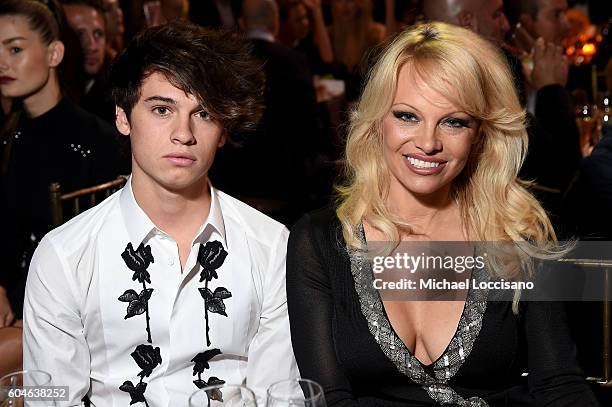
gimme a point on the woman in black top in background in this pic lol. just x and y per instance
(46, 138)
(433, 152)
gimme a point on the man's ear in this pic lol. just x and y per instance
(122, 122)
(222, 140)
(56, 53)
(466, 19)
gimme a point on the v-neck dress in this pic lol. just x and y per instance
(343, 339)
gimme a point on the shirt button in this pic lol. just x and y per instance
(171, 261)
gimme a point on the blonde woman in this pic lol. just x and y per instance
(434, 147)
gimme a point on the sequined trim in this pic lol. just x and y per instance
(392, 346)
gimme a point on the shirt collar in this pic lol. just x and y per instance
(139, 226)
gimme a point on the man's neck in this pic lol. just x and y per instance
(178, 213)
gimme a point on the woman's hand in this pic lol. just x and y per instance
(6, 312)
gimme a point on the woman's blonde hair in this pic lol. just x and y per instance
(473, 74)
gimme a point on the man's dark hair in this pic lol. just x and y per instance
(95, 4)
(217, 68)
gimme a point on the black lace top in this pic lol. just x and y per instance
(343, 339)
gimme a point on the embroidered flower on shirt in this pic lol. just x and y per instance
(137, 302)
(136, 392)
(211, 256)
(201, 363)
(147, 358)
(214, 301)
(138, 260)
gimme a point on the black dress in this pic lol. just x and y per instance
(343, 339)
(65, 144)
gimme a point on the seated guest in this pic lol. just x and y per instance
(86, 18)
(220, 14)
(353, 34)
(434, 148)
(278, 155)
(302, 27)
(169, 285)
(115, 28)
(46, 138)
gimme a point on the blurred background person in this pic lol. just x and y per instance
(45, 138)
(115, 27)
(222, 14)
(353, 33)
(87, 20)
(302, 27)
(271, 169)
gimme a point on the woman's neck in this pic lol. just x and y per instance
(433, 215)
(45, 98)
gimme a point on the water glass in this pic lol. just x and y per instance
(296, 393)
(12, 386)
(227, 395)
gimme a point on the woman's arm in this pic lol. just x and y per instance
(321, 36)
(309, 299)
(555, 379)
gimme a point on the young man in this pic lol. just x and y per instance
(168, 285)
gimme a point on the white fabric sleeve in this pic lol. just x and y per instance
(270, 357)
(53, 335)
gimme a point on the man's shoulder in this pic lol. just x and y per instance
(253, 223)
(80, 230)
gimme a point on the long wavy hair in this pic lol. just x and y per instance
(473, 74)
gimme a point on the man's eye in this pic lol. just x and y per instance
(161, 110)
(405, 117)
(98, 34)
(15, 50)
(203, 114)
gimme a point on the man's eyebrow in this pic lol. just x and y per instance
(9, 40)
(161, 99)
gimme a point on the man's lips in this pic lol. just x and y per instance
(180, 159)
(6, 79)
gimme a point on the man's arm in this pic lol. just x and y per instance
(53, 337)
(271, 356)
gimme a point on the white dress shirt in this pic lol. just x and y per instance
(77, 329)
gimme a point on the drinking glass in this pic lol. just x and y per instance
(296, 393)
(227, 395)
(12, 386)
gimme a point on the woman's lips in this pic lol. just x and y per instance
(423, 165)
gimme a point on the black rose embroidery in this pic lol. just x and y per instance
(201, 360)
(137, 302)
(147, 358)
(214, 301)
(138, 260)
(136, 392)
(211, 256)
(200, 364)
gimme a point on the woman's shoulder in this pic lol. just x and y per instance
(321, 226)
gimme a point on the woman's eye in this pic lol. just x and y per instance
(405, 117)
(456, 123)
(15, 50)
